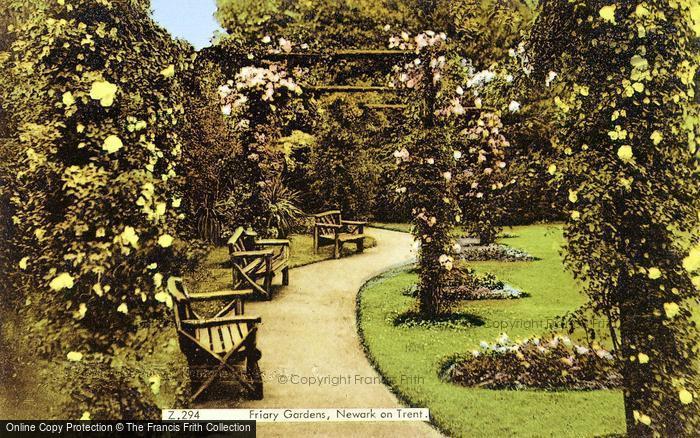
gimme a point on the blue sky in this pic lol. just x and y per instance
(192, 20)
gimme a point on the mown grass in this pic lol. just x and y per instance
(393, 226)
(410, 358)
(406, 227)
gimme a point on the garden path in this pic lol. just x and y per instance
(309, 330)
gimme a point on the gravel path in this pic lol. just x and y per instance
(309, 331)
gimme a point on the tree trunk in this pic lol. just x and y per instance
(630, 374)
(648, 386)
(431, 281)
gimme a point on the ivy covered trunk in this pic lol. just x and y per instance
(657, 338)
(432, 277)
(434, 211)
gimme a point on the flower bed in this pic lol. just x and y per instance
(552, 364)
(466, 284)
(468, 292)
(494, 251)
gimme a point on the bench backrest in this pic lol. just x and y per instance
(182, 305)
(327, 218)
(241, 240)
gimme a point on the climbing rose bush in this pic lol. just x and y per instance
(95, 95)
(628, 151)
(482, 174)
(263, 103)
(267, 84)
(426, 166)
(458, 154)
(411, 74)
(465, 105)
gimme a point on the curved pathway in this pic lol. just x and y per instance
(309, 330)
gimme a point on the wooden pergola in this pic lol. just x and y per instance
(218, 54)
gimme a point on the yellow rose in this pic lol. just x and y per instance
(625, 153)
(103, 91)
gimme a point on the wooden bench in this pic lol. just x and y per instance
(254, 259)
(331, 229)
(221, 343)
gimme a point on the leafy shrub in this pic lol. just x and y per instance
(9, 258)
(14, 11)
(531, 198)
(552, 364)
(95, 95)
(211, 151)
(282, 204)
(296, 149)
(346, 164)
(486, 29)
(628, 156)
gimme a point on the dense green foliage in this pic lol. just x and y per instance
(210, 158)
(95, 97)
(629, 159)
(485, 29)
(13, 12)
(349, 158)
(326, 24)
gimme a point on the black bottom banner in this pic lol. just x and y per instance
(29, 428)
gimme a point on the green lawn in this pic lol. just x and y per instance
(409, 358)
(403, 227)
(303, 250)
(215, 273)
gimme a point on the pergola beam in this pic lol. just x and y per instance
(336, 54)
(385, 106)
(350, 89)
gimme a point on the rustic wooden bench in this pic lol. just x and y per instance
(224, 342)
(331, 229)
(254, 259)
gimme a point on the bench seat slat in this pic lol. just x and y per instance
(202, 335)
(344, 237)
(226, 337)
(216, 344)
(279, 264)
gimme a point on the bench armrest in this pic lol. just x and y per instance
(326, 213)
(221, 321)
(206, 296)
(273, 242)
(257, 253)
(344, 222)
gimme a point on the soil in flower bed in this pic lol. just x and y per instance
(494, 251)
(554, 364)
